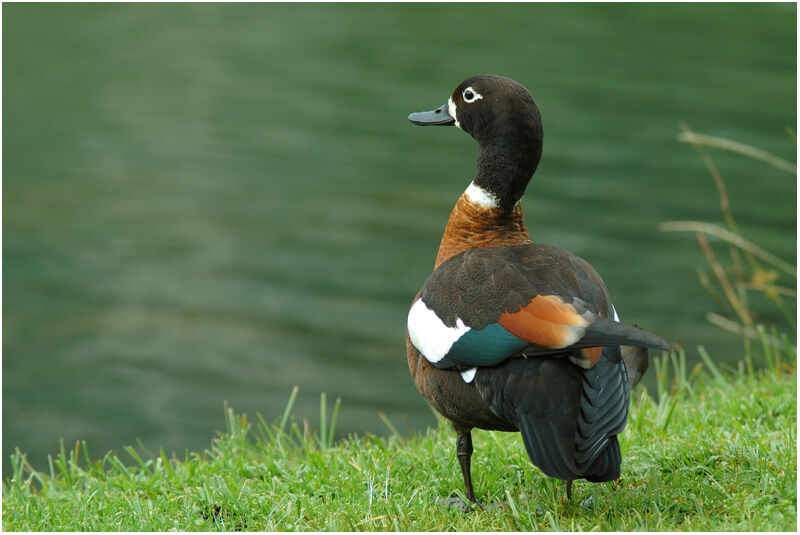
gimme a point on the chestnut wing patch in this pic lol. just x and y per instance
(548, 321)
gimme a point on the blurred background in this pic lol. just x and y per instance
(219, 202)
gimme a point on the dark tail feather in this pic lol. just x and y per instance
(568, 417)
(637, 360)
(605, 332)
(607, 465)
(544, 449)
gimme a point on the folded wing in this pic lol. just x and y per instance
(486, 305)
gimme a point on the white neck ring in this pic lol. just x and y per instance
(481, 197)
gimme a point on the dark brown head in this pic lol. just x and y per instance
(503, 118)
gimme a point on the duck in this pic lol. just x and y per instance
(511, 335)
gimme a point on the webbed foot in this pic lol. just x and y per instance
(457, 502)
(467, 506)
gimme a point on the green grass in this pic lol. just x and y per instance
(711, 450)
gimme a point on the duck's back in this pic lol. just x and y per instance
(512, 276)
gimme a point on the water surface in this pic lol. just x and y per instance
(219, 202)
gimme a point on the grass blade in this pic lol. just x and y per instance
(706, 358)
(322, 423)
(288, 410)
(333, 421)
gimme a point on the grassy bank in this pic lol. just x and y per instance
(710, 451)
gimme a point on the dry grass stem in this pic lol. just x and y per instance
(740, 309)
(767, 288)
(749, 332)
(730, 237)
(688, 136)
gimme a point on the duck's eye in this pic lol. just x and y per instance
(470, 95)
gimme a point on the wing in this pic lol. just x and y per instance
(485, 305)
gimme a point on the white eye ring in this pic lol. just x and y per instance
(470, 95)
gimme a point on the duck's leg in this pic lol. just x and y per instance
(569, 489)
(464, 452)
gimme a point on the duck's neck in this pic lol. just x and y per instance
(478, 220)
(505, 166)
(488, 213)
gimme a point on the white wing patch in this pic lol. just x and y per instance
(469, 375)
(616, 316)
(428, 334)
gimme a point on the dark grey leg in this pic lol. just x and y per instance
(569, 489)
(464, 452)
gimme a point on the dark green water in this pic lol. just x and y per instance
(206, 203)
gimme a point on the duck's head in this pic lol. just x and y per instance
(503, 118)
